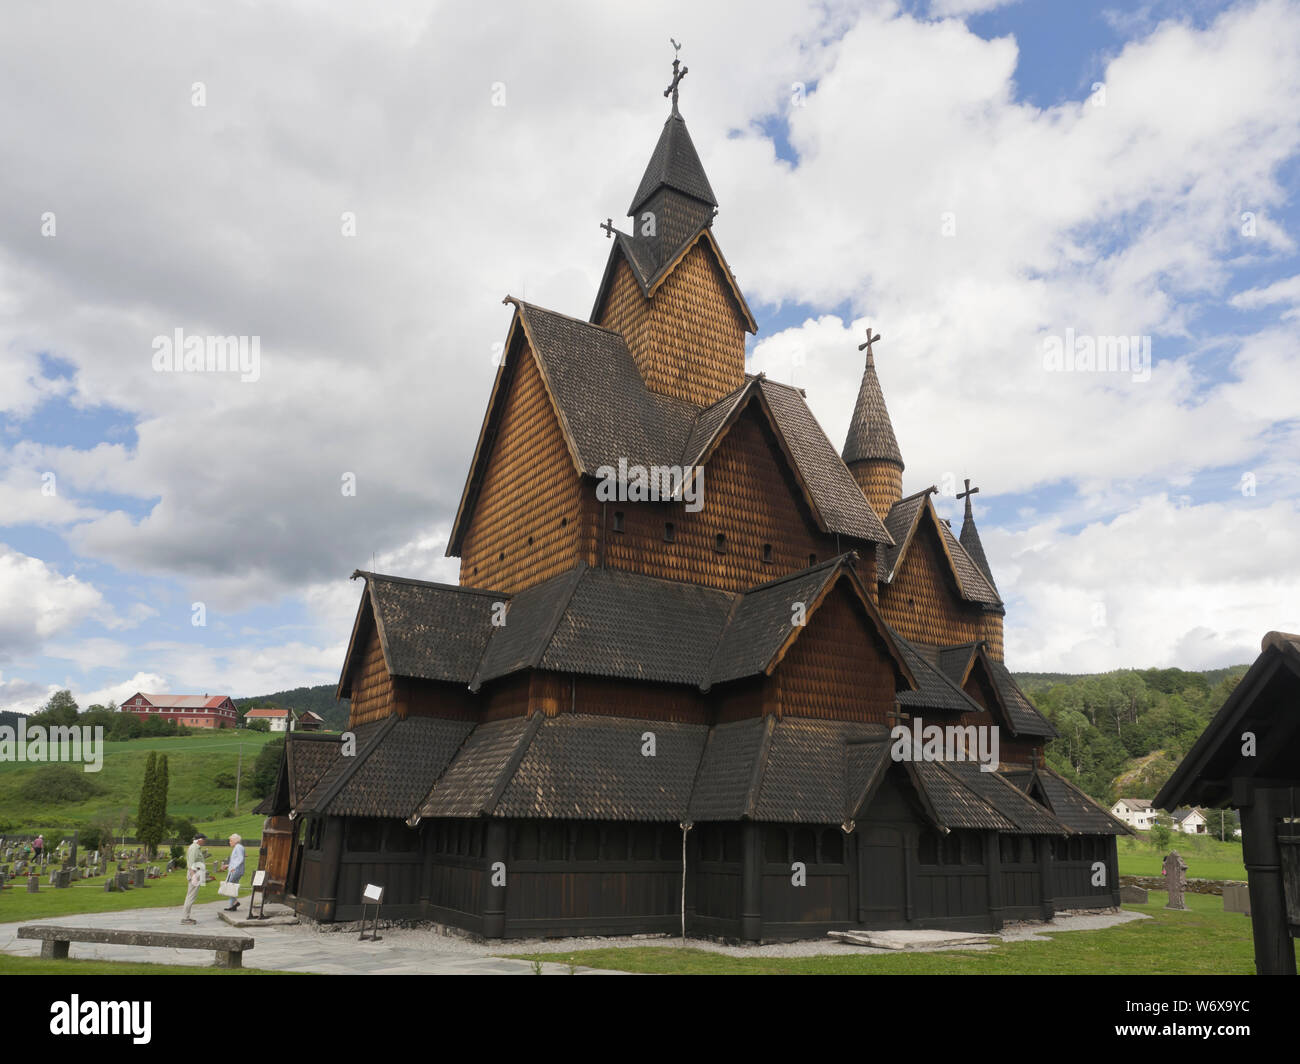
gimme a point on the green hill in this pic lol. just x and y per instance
(194, 764)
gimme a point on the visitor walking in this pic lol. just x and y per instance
(194, 874)
(235, 870)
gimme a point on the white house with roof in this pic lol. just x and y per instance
(1135, 812)
(278, 719)
(1190, 821)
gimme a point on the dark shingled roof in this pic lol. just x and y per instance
(793, 770)
(623, 624)
(530, 622)
(583, 767)
(473, 783)
(338, 767)
(871, 433)
(955, 660)
(804, 779)
(674, 163)
(970, 541)
(1028, 816)
(1025, 719)
(399, 770)
(934, 689)
(954, 803)
(763, 619)
(838, 498)
(901, 523)
(729, 769)
(1075, 809)
(605, 406)
(307, 762)
(431, 631)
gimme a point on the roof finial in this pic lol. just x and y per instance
(867, 346)
(966, 495)
(677, 76)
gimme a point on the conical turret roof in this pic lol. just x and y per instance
(871, 433)
(970, 540)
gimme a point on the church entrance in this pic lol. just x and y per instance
(882, 877)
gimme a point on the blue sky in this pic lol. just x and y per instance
(224, 218)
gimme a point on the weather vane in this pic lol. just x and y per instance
(677, 75)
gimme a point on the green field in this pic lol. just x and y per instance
(1206, 857)
(194, 761)
(1204, 940)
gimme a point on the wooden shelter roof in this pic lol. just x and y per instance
(1264, 703)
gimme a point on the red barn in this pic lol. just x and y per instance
(192, 711)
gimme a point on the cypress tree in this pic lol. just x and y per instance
(146, 815)
(161, 789)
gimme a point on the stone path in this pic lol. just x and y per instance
(430, 951)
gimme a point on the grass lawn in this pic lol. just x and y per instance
(1201, 941)
(88, 896)
(1206, 857)
(10, 965)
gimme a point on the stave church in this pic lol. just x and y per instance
(664, 694)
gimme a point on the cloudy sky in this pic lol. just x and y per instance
(357, 186)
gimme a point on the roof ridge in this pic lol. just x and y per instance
(522, 304)
(370, 577)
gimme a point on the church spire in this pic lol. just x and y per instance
(970, 537)
(871, 449)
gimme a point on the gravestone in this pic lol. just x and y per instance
(62, 878)
(1175, 872)
(1132, 895)
(33, 884)
(1236, 898)
(138, 877)
(123, 881)
(110, 885)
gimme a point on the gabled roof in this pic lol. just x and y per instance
(602, 622)
(1075, 809)
(266, 713)
(640, 254)
(427, 631)
(957, 662)
(904, 521)
(761, 627)
(606, 413)
(1136, 803)
(1264, 703)
(676, 164)
(970, 541)
(181, 701)
(792, 769)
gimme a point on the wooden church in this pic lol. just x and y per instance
(661, 697)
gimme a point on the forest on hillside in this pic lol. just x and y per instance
(1123, 733)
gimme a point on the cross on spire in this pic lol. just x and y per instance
(608, 226)
(867, 346)
(966, 495)
(677, 75)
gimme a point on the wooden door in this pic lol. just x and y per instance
(882, 874)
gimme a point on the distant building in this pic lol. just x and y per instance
(1135, 812)
(191, 711)
(309, 721)
(279, 719)
(1189, 821)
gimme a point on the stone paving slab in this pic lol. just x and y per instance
(281, 948)
(912, 939)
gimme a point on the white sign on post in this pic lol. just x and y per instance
(259, 877)
(372, 893)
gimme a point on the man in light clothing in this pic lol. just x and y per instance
(194, 874)
(235, 870)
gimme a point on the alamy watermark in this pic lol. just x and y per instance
(179, 353)
(1098, 354)
(638, 483)
(57, 743)
(953, 742)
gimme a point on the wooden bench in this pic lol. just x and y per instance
(54, 941)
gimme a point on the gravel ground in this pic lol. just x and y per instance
(454, 942)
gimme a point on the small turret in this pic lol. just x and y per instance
(871, 449)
